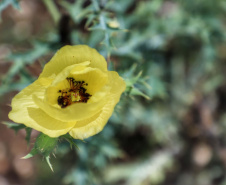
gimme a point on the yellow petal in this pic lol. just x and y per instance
(95, 78)
(36, 107)
(74, 112)
(60, 82)
(67, 71)
(48, 125)
(24, 97)
(69, 55)
(22, 103)
(96, 123)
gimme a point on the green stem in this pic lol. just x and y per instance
(104, 28)
(51, 6)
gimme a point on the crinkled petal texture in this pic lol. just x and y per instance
(25, 111)
(89, 127)
(37, 106)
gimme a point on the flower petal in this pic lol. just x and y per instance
(96, 80)
(97, 84)
(24, 98)
(67, 70)
(23, 108)
(74, 112)
(96, 123)
(48, 125)
(69, 55)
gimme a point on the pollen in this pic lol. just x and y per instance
(75, 94)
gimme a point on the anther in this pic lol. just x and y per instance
(75, 94)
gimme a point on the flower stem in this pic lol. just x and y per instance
(51, 6)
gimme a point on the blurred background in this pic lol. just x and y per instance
(170, 125)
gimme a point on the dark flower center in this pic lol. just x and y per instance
(75, 94)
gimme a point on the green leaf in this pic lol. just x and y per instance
(76, 9)
(52, 8)
(135, 91)
(30, 56)
(95, 27)
(28, 135)
(90, 20)
(70, 139)
(17, 86)
(14, 69)
(32, 153)
(19, 61)
(45, 144)
(14, 126)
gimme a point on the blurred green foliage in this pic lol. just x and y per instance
(172, 52)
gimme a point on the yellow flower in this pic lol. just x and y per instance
(75, 93)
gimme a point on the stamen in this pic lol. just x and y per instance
(75, 94)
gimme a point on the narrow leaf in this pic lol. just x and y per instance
(32, 153)
(14, 126)
(135, 91)
(28, 135)
(70, 139)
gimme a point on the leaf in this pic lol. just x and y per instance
(52, 8)
(45, 144)
(70, 139)
(135, 91)
(95, 27)
(16, 66)
(76, 10)
(32, 153)
(132, 81)
(19, 61)
(30, 56)
(28, 135)
(14, 126)
(35, 151)
(17, 86)
(90, 20)
(131, 71)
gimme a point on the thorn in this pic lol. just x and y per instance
(48, 162)
(54, 155)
